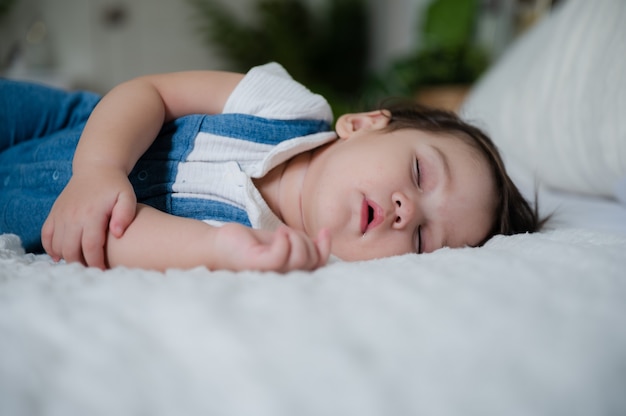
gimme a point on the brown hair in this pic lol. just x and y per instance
(513, 213)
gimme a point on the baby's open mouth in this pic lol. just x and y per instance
(371, 215)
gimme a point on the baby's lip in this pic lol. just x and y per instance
(371, 215)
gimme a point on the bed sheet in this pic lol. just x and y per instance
(571, 210)
(527, 324)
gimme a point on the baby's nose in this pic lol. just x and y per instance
(405, 210)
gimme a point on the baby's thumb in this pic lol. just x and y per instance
(323, 243)
(123, 214)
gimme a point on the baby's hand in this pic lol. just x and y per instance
(283, 250)
(91, 204)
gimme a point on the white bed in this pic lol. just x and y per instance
(527, 325)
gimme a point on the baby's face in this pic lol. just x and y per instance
(387, 193)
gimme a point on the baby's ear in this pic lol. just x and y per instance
(353, 122)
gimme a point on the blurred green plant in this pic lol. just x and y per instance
(7, 48)
(447, 52)
(326, 48)
(5, 7)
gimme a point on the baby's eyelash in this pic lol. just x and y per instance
(417, 170)
(419, 240)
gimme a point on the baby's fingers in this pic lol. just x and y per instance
(281, 253)
(304, 253)
(47, 236)
(66, 243)
(323, 244)
(92, 242)
(294, 251)
(123, 213)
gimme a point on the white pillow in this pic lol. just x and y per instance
(556, 101)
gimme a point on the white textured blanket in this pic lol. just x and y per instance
(528, 325)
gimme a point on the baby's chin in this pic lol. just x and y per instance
(361, 255)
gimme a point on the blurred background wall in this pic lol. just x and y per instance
(99, 43)
(96, 44)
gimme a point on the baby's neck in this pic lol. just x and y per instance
(281, 188)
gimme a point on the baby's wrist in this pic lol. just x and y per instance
(217, 255)
(92, 166)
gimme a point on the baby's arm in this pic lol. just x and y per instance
(156, 240)
(99, 196)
